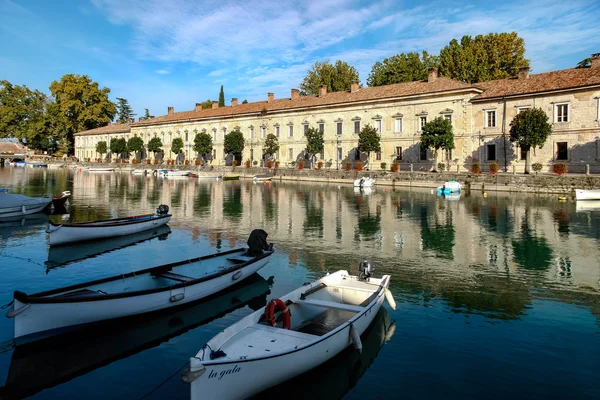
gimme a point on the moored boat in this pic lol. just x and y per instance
(73, 307)
(15, 205)
(101, 169)
(139, 171)
(262, 178)
(231, 177)
(449, 187)
(581, 194)
(320, 319)
(59, 201)
(82, 231)
(176, 173)
(364, 182)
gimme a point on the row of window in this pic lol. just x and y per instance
(562, 152)
(561, 114)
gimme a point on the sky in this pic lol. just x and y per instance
(161, 53)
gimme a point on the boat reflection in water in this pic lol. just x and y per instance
(10, 225)
(65, 254)
(333, 379)
(47, 363)
(587, 205)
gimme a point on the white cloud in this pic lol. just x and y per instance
(162, 72)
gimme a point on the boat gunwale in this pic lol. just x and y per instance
(114, 221)
(379, 293)
(42, 297)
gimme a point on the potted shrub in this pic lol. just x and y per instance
(255, 163)
(476, 167)
(99, 160)
(441, 167)
(537, 167)
(234, 163)
(328, 164)
(269, 164)
(395, 167)
(348, 165)
(187, 162)
(197, 162)
(148, 161)
(320, 165)
(560, 168)
(276, 164)
(155, 161)
(301, 164)
(493, 168)
(383, 165)
(117, 161)
(358, 166)
(247, 163)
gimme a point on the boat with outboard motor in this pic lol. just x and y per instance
(319, 320)
(15, 205)
(364, 182)
(82, 231)
(449, 187)
(73, 307)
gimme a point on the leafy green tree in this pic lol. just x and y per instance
(203, 144)
(245, 101)
(155, 145)
(22, 114)
(118, 146)
(49, 130)
(177, 146)
(368, 140)
(147, 115)
(221, 97)
(271, 146)
(530, 129)
(234, 143)
(484, 58)
(124, 111)
(314, 142)
(101, 148)
(437, 134)
(206, 104)
(84, 105)
(135, 144)
(402, 68)
(586, 62)
(338, 77)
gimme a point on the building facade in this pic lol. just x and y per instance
(480, 115)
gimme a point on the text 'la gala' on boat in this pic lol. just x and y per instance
(320, 319)
(69, 308)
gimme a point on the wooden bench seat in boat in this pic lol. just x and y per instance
(175, 277)
(330, 304)
(82, 293)
(326, 321)
(239, 260)
(256, 340)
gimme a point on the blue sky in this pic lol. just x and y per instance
(159, 53)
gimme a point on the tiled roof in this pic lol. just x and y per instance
(547, 81)
(112, 128)
(11, 148)
(332, 98)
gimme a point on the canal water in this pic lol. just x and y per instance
(497, 295)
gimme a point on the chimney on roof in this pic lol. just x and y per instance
(170, 110)
(433, 74)
(215, 104)
(234, 102)
(132, 120)
(198, 107)
(270, 97)
(524, 73)
(354, 86)
(322, 90)
(295, 94)
(595, 60)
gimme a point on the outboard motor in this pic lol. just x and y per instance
(257, 242)
(163, 209)
(365, 270)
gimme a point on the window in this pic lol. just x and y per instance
(339, 128)
(490, 119)
(322, 128)
(339, 153)
(491, 152)
(277, 131)
(263, 131)
(214, 156)
(398, 125)
(561, 151)
(252, 154)
(378, 156)
(448, 117)
(422, 153)
(523, 153)
(598, 108)
(378, 125)
(186, 136)
(422, 122)
(290, 130)
(357, 127)
(561, 113)
(519, 109)
(251, 132)
(305, 129)
(291, 154)
(398, 153)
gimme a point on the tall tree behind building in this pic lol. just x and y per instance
(221, 97)
(337, 77)
(124, 110)
(402, 68)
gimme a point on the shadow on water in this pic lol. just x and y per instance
(47, 363)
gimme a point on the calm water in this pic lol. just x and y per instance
(497, 296)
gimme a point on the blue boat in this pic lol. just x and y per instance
(450, 187)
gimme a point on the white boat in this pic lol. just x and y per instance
(73, 307)
(261, 178)
(320, 319)
(581, 194)
(176, 173)
(364, 182)
(100, 169)
(139, 171)
(82, 231)
(16, 205)
(449, 187)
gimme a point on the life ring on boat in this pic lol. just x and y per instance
(277, 304)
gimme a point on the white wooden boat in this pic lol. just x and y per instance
(261, 178)
(251, 355)
(16, 205)
(449, 187)
(176, 173)
(139, 171)
(581, 194)
(101, 169)
(68, 308)
(364, 182)
(83, 231)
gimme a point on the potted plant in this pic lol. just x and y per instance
(320, 165)
(476, 167)
(276, 164)
(269, 164)
(301, 164)
(441, 167)
(247, 163)
(348, 165)
(493, 168)
(560, 168)
(537, 167)
(358, 166)
(155, 161)
(383, 165)
(395, 167)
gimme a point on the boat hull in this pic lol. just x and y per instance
(19, 205)
(581, 194)
(364, 182)
(100, 169)
(63, 234)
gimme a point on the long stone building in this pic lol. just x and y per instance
(480, 115)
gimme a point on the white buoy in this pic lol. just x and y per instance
(23, 210)
(355, 338)
(390, 299)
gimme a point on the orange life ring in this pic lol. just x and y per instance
(270, 313)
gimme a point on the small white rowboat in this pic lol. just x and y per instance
(101, 169)
(16, 205)
(79, 232)
(69, 308)
(252, 355)
(581, 194)
(364, 182)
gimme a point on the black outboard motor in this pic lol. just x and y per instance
(257, 242)
(163, 209)
(365, 270)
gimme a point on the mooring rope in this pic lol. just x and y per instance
(29, 260)
(165, 381)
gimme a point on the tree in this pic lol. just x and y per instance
(234, 143)
(22, 114)
(337, 77)
(221, 97)
(245, 101)
(101, 148)
(402, 68)
(437, 134)
(271, 146)
(118, 146)
(314, 142)
(207, 104)
(203, 144)
(155, 145)
(493, 56)
(124, 111)
(135, 144)
(586, 62)
(177, 146)
(83, 104)
(530, 129)
(147, 115)
(368, 140)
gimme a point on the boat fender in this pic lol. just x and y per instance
(23, 210)
(355, 338)
(193, 371)
(270, 313)
(390, 299)
(236, 276)
(176, 297)
(13, 313)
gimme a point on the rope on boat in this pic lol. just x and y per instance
(165, 381)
